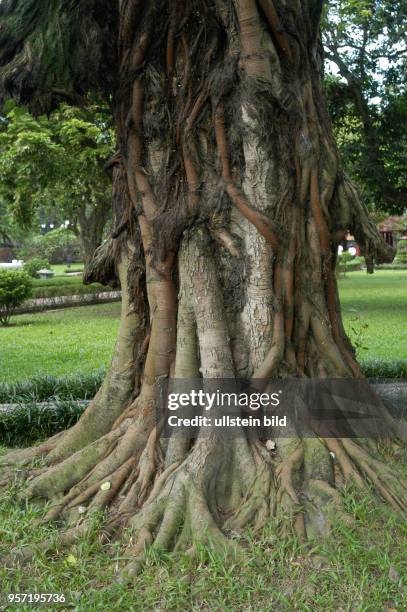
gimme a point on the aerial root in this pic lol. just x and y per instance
(390, 486)
(24, 456)
(65, 475)
(257, 505)
(348, 470)
(131, 500)
(287, 500)
(147, 469)
(284, 475)
(175, 518)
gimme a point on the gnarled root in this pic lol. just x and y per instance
(183, 511)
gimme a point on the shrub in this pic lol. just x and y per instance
(348, 263)
(58, 281)
(15, 287)
(34, 265)
(55, 246)
(401, 255)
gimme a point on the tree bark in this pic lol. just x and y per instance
(228, 165)
(91, 220)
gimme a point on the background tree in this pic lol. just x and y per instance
(229, 204)
(56, 165)
(10, 231)
(366, 41)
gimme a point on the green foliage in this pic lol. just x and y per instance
(10, 232)
(34, 265)
(381, 368)
(401, 255)
(46, 387)
(357, 329)
(56, 163)
(58, 281)
(368, 99)
(54, 246)
(69, 289)
(65, 285)
(28, 422)
(15, 287)
(343, 260)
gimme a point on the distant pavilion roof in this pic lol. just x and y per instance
(393, 224)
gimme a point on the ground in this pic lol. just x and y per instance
(59, 342)
(359, 569)
(380, 301)
(81, 339)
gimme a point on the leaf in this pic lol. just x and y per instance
(71, 560)
(105, 486)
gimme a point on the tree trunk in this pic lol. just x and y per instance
(227, 162)
(92, 219)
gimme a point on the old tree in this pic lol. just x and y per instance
(229, 202)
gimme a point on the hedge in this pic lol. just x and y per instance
(44, 388)
(84, 386)
(33, 419)
(70, 289)
(57, 281)
(392, 266)
(377, 369)
(29, 422)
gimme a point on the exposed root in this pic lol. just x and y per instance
(257, 506)
(288, 506)
(25, 456)
(391, 488)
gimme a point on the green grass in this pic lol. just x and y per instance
(59, 269)
(362, 567)
(380, 302)
(59, 342)
(80, 340)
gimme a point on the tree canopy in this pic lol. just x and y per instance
(366, 42)
(57, 163)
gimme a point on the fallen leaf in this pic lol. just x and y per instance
(71, 560)
(105, 486)
(394, 576)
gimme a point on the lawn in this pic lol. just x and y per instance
(58, 342)
(379, 302)
(80, 340)
(362, 567)
(59, 269)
